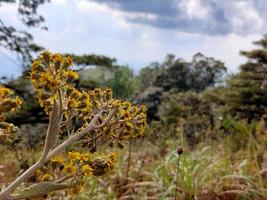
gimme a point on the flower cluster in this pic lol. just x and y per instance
(75, 166)
(52, 77)
(50, 74)
(129, 122)
(8, 132)
(86, 164)
(88, 103)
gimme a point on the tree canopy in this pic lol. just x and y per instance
(246, 92)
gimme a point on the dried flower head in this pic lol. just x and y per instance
(8, 103)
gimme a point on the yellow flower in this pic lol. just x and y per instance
(46, 56)
(143, 108)
(57, 159)
(47, 177)
(86, 157)
(129, 125)
(74, 156)
(35, 65)
(108, 92)
(72, 76)
(122, 112)
(126, 104)
(112, 156)
(70, 168)
(87, 170)
(49, 74)
(18, 101)
(4, 92)
(116, 103)
(7, 101)
(67, 62)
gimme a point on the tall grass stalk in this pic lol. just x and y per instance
(179, 152)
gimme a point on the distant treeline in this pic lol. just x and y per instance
(199, 91)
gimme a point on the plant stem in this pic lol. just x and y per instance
(129, 160)
(177, 176)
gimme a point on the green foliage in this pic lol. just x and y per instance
(246, 93)
(177, 75)
(96, 60)
(123, 83)
(240, 131)
(120, 78)
(202, 72)
(190, 114)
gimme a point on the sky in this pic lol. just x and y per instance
(139, 32)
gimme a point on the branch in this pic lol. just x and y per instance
(110, 115)
(64, 178)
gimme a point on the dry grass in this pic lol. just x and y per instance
(211, 171)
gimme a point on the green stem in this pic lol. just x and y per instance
(177, 176)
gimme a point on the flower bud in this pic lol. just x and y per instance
(46, 56)
(180, 150)
(99, 167)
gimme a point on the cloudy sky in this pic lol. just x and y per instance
(138, 32)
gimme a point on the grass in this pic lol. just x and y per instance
(210, 171)
(213, 170)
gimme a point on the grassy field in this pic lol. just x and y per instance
(212, 170)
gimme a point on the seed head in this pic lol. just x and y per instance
(179, 150)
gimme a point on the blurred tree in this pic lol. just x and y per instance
(123, 83)
(102, 71)
(21, 42)
(202, 72)
(192, 112)
(176, 75)
(91, 59)
(246, 92)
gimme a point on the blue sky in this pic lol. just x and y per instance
(138, 32)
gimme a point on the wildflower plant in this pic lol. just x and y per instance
(82, 116)
(8, 103)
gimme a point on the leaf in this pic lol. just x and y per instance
(53, 128)
(38, 189)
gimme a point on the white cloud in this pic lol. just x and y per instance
(227, 48)
(194, 8)
(60, 2)
(91, 7)
(8, 13)
(243, 16)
